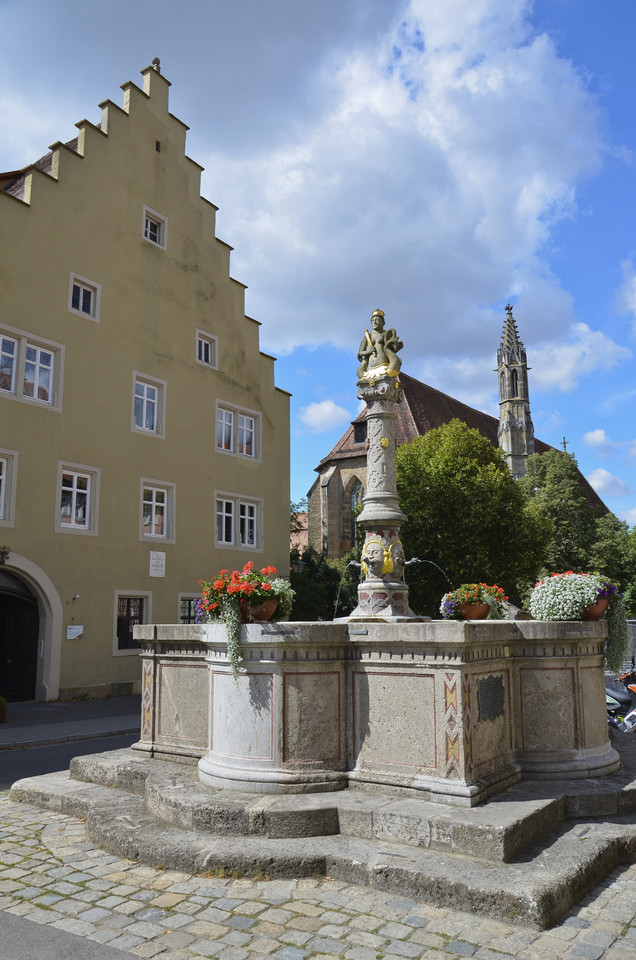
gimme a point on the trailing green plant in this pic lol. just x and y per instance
(618, 634)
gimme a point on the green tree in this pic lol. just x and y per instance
(466, 514)
(324, 588)
(297, 520)
(612, 553)
(554, 483)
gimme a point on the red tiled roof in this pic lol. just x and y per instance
(424, 408)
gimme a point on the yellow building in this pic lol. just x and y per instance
(143, 442)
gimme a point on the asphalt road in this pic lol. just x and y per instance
(32, 761)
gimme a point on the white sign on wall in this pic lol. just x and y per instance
(73, 632)
(157, 564)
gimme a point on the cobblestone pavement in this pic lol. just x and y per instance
(50, 874)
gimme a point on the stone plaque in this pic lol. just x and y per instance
(491, 697)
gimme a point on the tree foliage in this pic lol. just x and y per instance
(553, 482)
(466, 514)
(584, 538)
(324, 589)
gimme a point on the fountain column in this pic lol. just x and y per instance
(383, 593)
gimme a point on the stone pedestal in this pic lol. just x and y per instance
(280, 727)
(175, 699)
(561, 718)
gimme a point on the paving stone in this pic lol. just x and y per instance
(213, 914)
(461, 948)
(205, 929)
(176, 938)
(148, 950)
(325, 945)
(291, 953)
(262, 946)
(297, 938)
(413, 920)
(72, 925)
(142, 928)
(125, 942)
(404, 948)
(172, 921)
(94, 914)
(167, 900)
(395, 931)
(360, 953)
(104, 934)
(586, 951)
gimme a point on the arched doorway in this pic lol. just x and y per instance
(19, 629)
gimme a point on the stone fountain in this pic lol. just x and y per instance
(442, 710)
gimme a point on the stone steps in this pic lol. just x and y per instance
(520, 856)
(173, 794)
(537, 888)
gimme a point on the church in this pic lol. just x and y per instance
(340, 485)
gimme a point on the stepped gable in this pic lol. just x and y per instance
(425, 408)
(13, 181)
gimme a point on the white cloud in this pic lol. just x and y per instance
(599, 440)
(326, 415)
(562, 363)
(428, 185)
(607, 485)
(629, 516)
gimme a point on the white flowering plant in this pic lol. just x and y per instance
(563, 596)
(566, 596)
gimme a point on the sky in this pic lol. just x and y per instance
(435, 159)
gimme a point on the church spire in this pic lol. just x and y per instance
(516, 430)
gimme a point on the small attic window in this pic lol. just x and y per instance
(155, 228)
(158, 146)
(360, 432)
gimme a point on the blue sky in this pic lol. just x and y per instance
(434, 158)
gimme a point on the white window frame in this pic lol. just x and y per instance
(8, 477)
(160, 413)
(11, 354)
(23, 341)
(95, 290)
(237, 503)
(152, 217)
(204, 340)
(146, 596)
(168, 489)
(229, 414)
(78, 470)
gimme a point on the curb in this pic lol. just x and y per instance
(67, 738)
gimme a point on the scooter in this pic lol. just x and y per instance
(621, 703)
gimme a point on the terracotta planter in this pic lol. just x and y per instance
(258, 613)
(596, 610)
(473, 611)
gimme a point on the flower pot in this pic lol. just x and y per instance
(473, 611)
(596, 610)
(258, 612)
